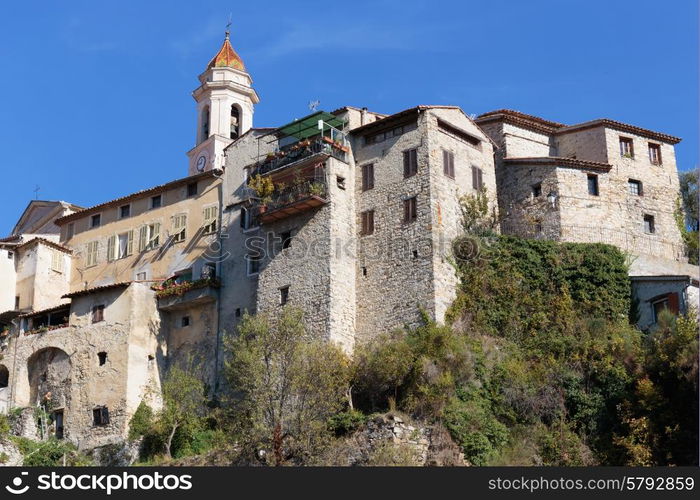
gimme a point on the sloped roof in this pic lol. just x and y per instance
(226, 57)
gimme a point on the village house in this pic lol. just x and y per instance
(348, 215)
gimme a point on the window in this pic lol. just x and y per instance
(210, 219)
(191, 189)
(179, 228)
(102, 357)
(649, 224)
(368, 177)
(141, 276)
(635, 187)
(235, 122)
(57, 261)
(340, 181)
(448, 163)
(91, 259)
(537, 190)
(592, 184)
(367, 222)
(659, 306)
(364, 271)
(70, 230)
(17, 303)
(95, 220)
(184, 321)
(286, 238)
(156, 201)
(100, 416)
(98, 313)
(626, 147)
(477, 178)
(284, 295)
(149, 236)
(124, 211)
(410, 162)
(126, 244)
(205, 124)
(410, 212)
(238, 312)
(669, 302)
(655, 153)
(253, 263)
(10, 255)
(57, 417)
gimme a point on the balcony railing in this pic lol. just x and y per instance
(294, 199)
(172, 295)
(301, 150)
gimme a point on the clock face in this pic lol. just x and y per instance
(201, 163)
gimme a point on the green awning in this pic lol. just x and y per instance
(308, 126)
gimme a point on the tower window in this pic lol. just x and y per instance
(284, 295)
(593, 185)
(410, 210)
(649, 227)
(102, 357)
(655, 153)
(635, 187)
(235, 122)
(100, 416)
(205, 124)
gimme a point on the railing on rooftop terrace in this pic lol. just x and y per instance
(299, 151)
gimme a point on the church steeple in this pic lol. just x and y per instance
(225, 105)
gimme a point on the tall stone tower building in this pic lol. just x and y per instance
(225, 105)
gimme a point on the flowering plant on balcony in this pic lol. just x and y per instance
(263, 187)
(171, 288)
(45, 328)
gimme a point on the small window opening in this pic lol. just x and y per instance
(286, 239)
(238, 312)
(364, 271)
(340, 181)
(284, 295)
(100, 416)
(102, 357)
(184, 321)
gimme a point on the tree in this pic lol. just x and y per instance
(286, 385)
(184, 399)
(687, 213)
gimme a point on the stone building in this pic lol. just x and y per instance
(348, 215)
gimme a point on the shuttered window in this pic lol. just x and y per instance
(367, 222)
(367, 177)
(91, 259)
(149, 236)
(179, 228)
(448, 163)
(57, 261)
(410, 162)
(410, 210)
(477, 178)
(210, 220)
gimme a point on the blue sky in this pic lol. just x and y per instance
(96, 95)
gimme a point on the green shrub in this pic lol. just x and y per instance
(50, 453)
(141, 422)
(346, 422)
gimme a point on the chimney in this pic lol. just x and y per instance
(363, 116)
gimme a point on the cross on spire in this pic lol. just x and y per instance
(228, 27)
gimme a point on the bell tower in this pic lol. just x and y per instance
(225, 104)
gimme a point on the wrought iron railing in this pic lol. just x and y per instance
(297, 192)
(299, 151)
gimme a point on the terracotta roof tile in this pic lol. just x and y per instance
(557, 161)
(100, 288)
(226, 57)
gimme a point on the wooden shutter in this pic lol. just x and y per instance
(130, 242)
(143, 238)
(480, 177)
(370, 222)
(475, 179)
(210, 220)
(57, 261)
(406, 163)
(370, 175)
(111, 244)
(452, 165)
(179, 222)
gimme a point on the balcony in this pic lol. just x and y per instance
(173, 296)
(301, 153)
(289, 201)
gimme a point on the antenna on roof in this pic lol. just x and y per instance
(36, 192)
(313, 105)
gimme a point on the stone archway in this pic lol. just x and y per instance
(49, 377)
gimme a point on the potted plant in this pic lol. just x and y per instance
(316, 188)
(264, 188)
